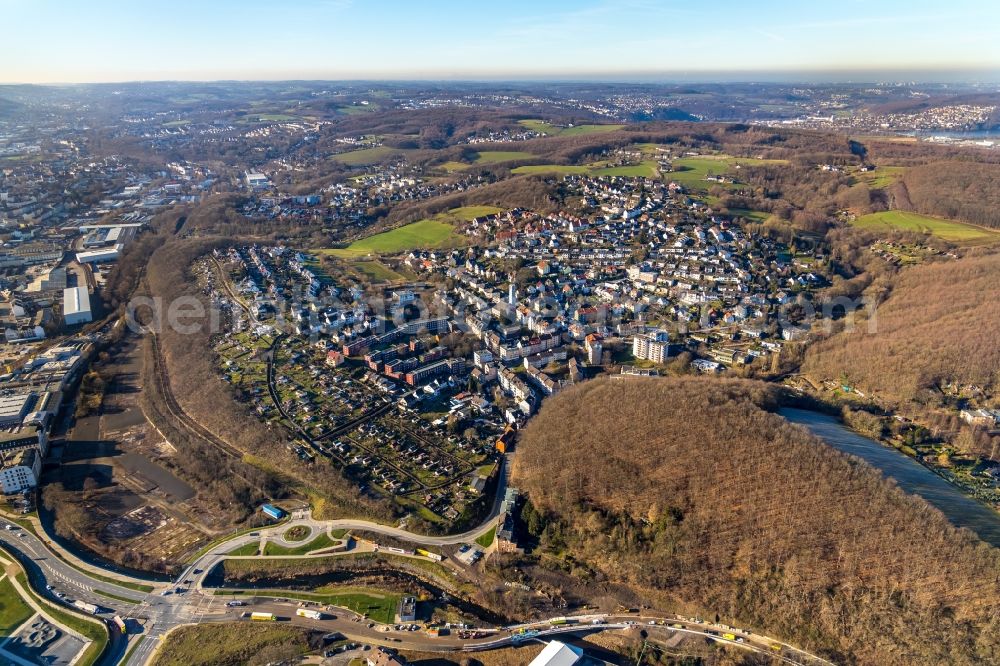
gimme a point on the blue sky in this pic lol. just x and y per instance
(118, 40)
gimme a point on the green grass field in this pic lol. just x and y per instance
(451, 166)
(948, 230)
(494, 156)
(246, 549)
(177, 123)
(558, 169)
(881, 177)
(555, 130)
(320, 542)
(379, 606)
(366, 156)
(645, 169)
(578, 130)
(438, 232)
(467, 213)
(424, 234)
(488, 157)
(486, 540)
(752, 215)
(377, 271)
(232, 643)
(692, 171)
(13, 609)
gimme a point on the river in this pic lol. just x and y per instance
(911, 476)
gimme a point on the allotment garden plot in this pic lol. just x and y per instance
(407, 455)
(346, 416)
(315, 397)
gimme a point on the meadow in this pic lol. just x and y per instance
(13, 610)
(576, 130)
(229, 643)
(437, 232)
(948, 230)
(881, 177)
(495, 156)
(691, 172)
(366, 156)
(645, 169)
(488, 157)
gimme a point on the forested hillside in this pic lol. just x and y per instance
(967, 191)
(692, 494)
(940, 324)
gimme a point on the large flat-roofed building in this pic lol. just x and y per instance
(257, 181)
(16, 438)
(53, 280)
(102, 236)
(98, 256)
(76, 306)
(13, 408)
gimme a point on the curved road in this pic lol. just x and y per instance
(158, 613)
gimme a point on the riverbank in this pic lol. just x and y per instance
(910, 438)
(961, 510)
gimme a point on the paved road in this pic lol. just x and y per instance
(158, 614)
(209, 560)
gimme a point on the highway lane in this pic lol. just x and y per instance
(155, 614)
(74, 583)
(158, 614)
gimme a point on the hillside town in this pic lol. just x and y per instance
(416, 390)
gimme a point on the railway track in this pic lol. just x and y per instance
(177, 413)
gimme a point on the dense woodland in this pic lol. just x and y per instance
(967, 191)
(938, 325)
(696, 497)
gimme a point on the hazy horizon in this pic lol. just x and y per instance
(989, 76)
(115, 41)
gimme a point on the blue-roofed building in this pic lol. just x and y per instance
(273, 511)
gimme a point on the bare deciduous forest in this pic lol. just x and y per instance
(939, 324)
(695, 496)
(967, 191)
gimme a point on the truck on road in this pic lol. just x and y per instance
(263, 617)
(87, 608)
(309, 613)
(428, 554)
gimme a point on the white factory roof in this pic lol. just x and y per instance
(557, 653)
(14, 406)
(75, 300)
(107, 253)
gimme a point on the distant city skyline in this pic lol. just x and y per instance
(49, 41)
